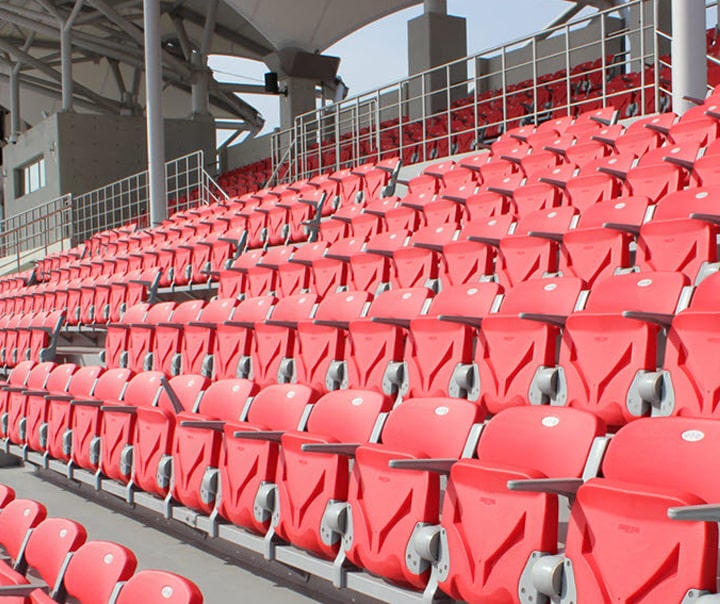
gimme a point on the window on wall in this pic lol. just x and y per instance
(30, 177)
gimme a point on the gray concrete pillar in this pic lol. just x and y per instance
(154, 113)
(300, 98)
(14, 105)
(436, 38)
(689, 71)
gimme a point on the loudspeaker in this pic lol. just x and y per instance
(271, 83)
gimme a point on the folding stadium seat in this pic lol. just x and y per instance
(419, 264)
(645, 495)
(44, 332)
(682, 236)
(370, 270)
(17, 519)
(233, 280)
(591, 188)
(140, 343)
(545, 445)
(154, 431)
(532, 250)
(614, 341)
(309, 482)
(275, 340)
(516, 350)
(600, 244)
(86, 416)
(55, 435)
(293, 276)
(441, 342)
(534, 197)
(687, 375)
(131, 289)
(93, 573)
(321, 341)
(250, 452)
(655, 181)
(198, 440)
(377, 341)
(198, 339)
(387, 506)
(159, 587)
(486, 204)
(117, 335)
(46, 553)
(17, 379)
(701, 130)
(331, 271)
(262, 278)
(168, 337)
(14, 408)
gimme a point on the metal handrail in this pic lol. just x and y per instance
(363, 120)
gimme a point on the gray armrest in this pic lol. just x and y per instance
(651, 317)
(405, 323)
(268, 435)
(548, 180)
(709, 512)
(288, 324)
(711, 218)
(436, 466)
(472, 321)
(203, 425)
(613, 172)
(337, 324)
(558, 320)
(633, 229)
(560, 486)
(245, 324)
(59, 397)
(346, 449)
(77, 402)
(486, 240)
(7, 591)
(545, 235)
(131, 409)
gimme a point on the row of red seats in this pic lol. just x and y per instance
(391, 345)
(383, 514)
(49, 559)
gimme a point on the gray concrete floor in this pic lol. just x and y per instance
(219, 577)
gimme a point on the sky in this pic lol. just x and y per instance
(364, 54)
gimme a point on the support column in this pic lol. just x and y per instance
(201, 72)
(66, 67)
(14, 104)
(300, 98)
(436, 38)
(689, 70)
(154, 113)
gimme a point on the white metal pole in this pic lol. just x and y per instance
(689, 73)
(66, 68)
(153, 107)
(14, 104)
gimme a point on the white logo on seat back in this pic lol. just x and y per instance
(644, 282)
(108, 558)
(692, 436)
(441, 411)
(550, 286)
(357, 402)
(550, 421)
(166, 592)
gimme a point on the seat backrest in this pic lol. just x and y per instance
(59, 378)
(280, 406)
(647, 292)
(110, 386)
(19, 374)
(96, 568)
(309, 252)
(469, 300)
(49, 545)
(554, 220)
(187, 312)
(136, 313)
(276, 256)
(435, 427)
(627, 211)
(218, 310)
(159, 587)
(347, 415)
(294, 308)
(680, 204)
(160, 312)
(400, 303)
(83, 380)
(16, 519)
(254, 309)
(143, 389)
(187, 388)
(551, 296)
(7, 494)
(553, 440)
(39, 375)
(685, 455)
(706, 295)
(226, 399)
(342, 306)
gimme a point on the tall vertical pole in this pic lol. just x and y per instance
(14, 104)
(66, 66)
(689, 70)
(153, 107)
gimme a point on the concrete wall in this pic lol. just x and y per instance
(83, 152)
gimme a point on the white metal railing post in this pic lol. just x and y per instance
(568, 63)
(603, 62)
